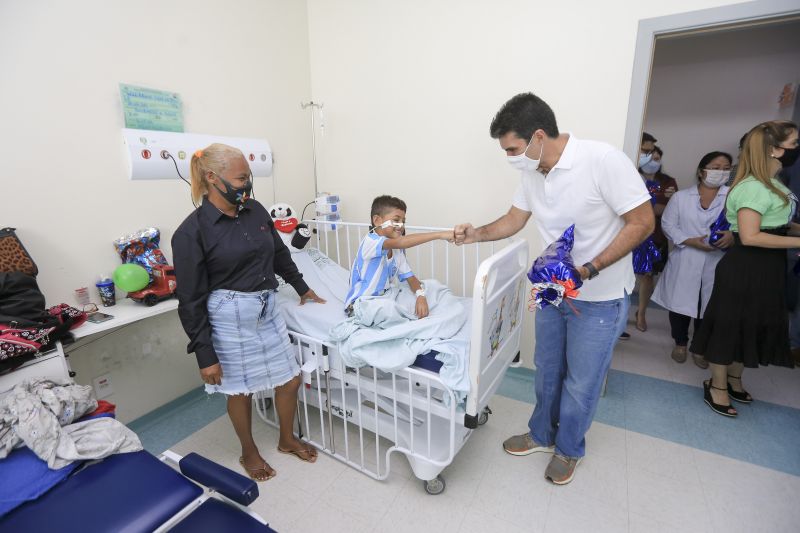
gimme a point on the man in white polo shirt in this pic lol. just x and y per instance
(565, 181)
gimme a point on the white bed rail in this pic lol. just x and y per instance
(362, 416)
(455, 266)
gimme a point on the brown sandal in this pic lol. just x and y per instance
(307, 454)
(252, 473)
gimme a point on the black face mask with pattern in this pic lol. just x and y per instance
(789, 156)
(232, 195)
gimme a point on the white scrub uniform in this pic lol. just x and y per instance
(689, 271)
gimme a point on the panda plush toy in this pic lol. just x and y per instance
(294, 234)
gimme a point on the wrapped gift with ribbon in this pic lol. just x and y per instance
(717, 227)
(653, 187)
(141, 248)
(645, 256)
(553, 273)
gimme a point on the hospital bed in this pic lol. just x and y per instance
(361, 416)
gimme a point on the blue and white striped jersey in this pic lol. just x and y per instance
(373, 270)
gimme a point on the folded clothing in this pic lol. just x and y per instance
(428, 361)
(104, 410)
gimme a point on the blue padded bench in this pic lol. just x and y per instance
(133, 492)
(214, 515)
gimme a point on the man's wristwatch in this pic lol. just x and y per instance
(593, 272)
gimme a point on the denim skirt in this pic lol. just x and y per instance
(251, 341)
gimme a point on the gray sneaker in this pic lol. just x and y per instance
(524, 445)
(679, 354)
(561, 469)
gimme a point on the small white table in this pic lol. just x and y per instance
(48, 365)
(54, 365)
(125, 312)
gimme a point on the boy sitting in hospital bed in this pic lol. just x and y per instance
(381, 262)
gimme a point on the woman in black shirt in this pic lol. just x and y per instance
(226, 255)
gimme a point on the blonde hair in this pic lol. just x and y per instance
(756, 153)
(213, 158)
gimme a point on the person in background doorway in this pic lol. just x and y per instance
(790, 175)
(662, 186)
(745, 323)
(646, 150)
(226, 255)
(685, 286)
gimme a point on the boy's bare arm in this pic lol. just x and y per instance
(415, 239)
(414, 284)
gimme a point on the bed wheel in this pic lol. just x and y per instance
(435, 486)
(484, 416)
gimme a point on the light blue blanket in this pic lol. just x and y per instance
(385, 333)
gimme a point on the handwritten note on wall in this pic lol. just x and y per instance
(150, 109)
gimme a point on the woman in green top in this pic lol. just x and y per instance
(745, 323)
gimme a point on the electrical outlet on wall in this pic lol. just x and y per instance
(102, 386)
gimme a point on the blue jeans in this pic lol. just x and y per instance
(572, 356)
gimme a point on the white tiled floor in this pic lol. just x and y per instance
(627, 482)
(648, 354)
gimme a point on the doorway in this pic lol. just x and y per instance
(678, 41)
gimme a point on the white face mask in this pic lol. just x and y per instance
(651, 167)
(644, 159)
(522, 162)
(716, 178)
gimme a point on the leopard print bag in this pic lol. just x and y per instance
(13, 255)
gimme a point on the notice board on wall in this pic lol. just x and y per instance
(151, 109)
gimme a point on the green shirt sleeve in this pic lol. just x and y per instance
(750, 195)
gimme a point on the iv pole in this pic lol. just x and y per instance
(312, 104)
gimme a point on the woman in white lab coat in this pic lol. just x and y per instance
(685, 285)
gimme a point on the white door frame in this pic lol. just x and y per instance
(651, 28)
